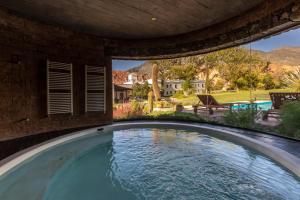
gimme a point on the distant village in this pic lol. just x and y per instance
(124, 81)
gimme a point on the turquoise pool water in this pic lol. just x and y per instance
(149, 163)
(265, 105)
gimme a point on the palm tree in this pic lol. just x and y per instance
(293, 78)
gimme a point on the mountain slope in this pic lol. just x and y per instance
(144, 68)
(286, 57)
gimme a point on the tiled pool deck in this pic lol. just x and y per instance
(290, 145)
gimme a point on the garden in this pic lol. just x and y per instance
(231, 75)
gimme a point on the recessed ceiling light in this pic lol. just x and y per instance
(153, 19)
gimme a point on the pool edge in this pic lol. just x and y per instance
(17, 158)
(284, 158)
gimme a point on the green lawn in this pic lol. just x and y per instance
(226, 97)
(190, 100)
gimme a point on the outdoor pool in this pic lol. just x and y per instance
(260, 105)
(150, 162)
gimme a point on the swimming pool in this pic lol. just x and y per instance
(149, 162)
(260, 105)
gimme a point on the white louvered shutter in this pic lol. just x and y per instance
(95, 89)
(59, 88)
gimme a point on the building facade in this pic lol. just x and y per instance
(132, 79)
(121, 93)
(170, 87)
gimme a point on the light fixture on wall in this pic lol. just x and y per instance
(153, 18)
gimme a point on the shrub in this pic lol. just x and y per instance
(140, 90)
(171, 115)
(268, 82)
(168, 104)
(242, 119)
(150, 101)
(146, 109)
(290, 115)
(157, 114)
(166, 115)
(128, 110)
(179, 108)
(122, 111)
(186, 85)
(160, 104)
(136, 107)
(179, 95)
(163, 104)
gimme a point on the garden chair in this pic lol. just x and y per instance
(210, 102)
(278, 99)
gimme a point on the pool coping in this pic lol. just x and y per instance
(211, 123)
(284, 158)
(17, 158)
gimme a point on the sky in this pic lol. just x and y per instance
(125, 64)
(290, 38)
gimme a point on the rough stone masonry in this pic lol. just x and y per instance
(25, 46)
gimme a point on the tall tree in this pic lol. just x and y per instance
(156, 89)
(184, 72)
(164, 68)
(211, 61)
(236, 66)
(240, 68)
(140, 90)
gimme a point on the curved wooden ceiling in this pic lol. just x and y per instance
(148, 29)
(134, 19)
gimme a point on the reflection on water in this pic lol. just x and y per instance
(150, 163)
(179, 164)
(155, 135)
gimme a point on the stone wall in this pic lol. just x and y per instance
(25, 46)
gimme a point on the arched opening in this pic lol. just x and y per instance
(245, 86)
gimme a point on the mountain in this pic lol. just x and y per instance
(144, 68)
(285, 57)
